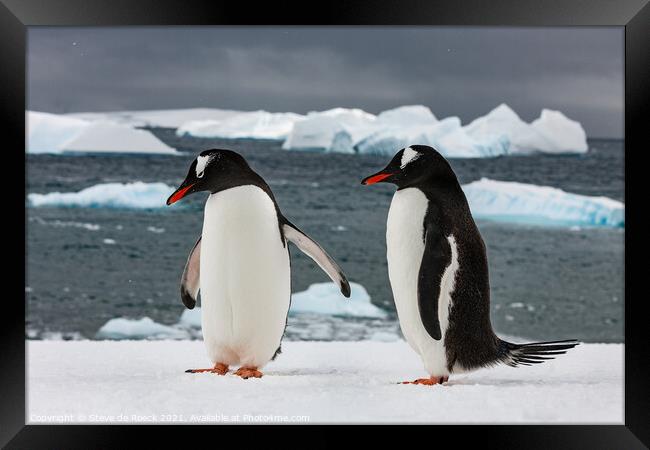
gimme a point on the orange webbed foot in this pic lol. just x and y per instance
(428, 381)
(219, 369)
(248, 372)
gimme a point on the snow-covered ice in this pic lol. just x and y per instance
(316, 382)
(520, 202)
(326, 298)
(109, 137)
(108, 195)
(250, 125)
(46, 132)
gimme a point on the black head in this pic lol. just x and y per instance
(213, 171)
(413, 166)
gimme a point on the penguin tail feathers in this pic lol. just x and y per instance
(532, 353)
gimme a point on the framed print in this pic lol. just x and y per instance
(348, 214)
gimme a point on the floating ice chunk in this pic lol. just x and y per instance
(109, 137)
(253, 125)
(144, 328)
(529, 203)
(46, 132)
(112, 195)
(326, 298)
(191, 318)
(384, 336)
(109, 241)
(561, 134)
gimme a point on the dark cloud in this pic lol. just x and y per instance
(454, 71)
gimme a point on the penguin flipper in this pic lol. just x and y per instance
(191, 277)
(312, 249)
(435, 260)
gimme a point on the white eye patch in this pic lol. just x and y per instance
(201, 163)
(408, 156)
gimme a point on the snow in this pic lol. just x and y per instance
(46, 132)
(108, 195)
(326, 298)
(520, 202)
(109, 137)
(316, 382)
(251, 125)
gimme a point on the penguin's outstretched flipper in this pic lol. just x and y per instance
(311, 248)
(436, 258)
(191, 276)
(532, 353)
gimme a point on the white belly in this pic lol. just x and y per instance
(245, 277)
(405, 247)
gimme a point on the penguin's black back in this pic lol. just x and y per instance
(469, 339)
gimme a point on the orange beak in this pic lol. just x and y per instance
(179, 194)
(372, 179)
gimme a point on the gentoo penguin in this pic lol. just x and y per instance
(241, 265)
(438, 272)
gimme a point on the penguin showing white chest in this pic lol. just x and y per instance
(438, 272)
(241, 264)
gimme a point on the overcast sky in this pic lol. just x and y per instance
(455, 71)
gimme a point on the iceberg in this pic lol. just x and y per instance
(502, 123)
(319, 298)
(520, 202)
(112, 195)
(500, 132)
(46, 132)
(447, 136)
(406, 115)
(144, 328)
(326, 298)
(191, 318)
(334, 130)
(247, 125)
(561, 134)
(164, 118)
(110, 137)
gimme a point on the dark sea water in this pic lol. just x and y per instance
(547, 282)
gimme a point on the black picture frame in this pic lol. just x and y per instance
(17, 15)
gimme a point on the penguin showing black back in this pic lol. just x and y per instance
(438, 272)
(241, 263)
